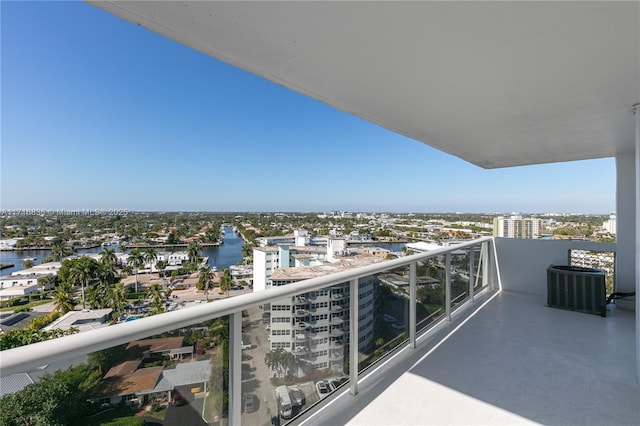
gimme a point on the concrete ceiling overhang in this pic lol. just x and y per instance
(495, 83)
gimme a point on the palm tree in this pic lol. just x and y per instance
(83, 271)
(136, 260)
(96, 296)
(59, 250)
(27, 263)
(108, 256)
(225, 281)
(205, 280)
(273, 359)
(193, 250)
(106, 272)
(157, 298)
(287, 361)
(116, 298)
(247, 250)
(63, 299)
(150, 255)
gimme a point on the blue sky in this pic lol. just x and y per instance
(98, 113)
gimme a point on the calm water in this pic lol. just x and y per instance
(224, 256)
(228, 253)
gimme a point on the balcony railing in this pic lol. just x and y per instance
(438, 298)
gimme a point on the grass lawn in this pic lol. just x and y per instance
(118, 413)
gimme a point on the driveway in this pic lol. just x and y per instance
(188, 414)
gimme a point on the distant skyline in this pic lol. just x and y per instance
(99, 113)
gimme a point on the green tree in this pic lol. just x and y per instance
(156, 296)
(193, 251)
(226, 281)
(135, 260)
(117, 299)
(279, 360)
(63, 299)
(59, 250)
(205, 281)
(83, 271)
(58, 399)
(247, 250)
(27, 263)
(109, 257)
(96, 296)
(150, 256)
(172, 238)
(161, 265)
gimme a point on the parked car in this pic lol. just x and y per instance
(322, 388)
(178, 399)
(297, 396)
(248, 403)
(388, 318)
(398, 326)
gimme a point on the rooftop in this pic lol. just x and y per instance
(84, 320)
(306, 272)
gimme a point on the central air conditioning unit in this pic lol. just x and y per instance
(577, 289)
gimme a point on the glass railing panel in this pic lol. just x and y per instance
(302, 350)
(430, 295)
(300, 342)
(258, 401)
(478, 267)
(383, 318)
(459, 276)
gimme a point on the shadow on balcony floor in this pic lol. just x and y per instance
(516, 361)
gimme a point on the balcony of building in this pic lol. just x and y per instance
(499, 356)
(529, 83)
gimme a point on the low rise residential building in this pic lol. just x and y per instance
(20, 285)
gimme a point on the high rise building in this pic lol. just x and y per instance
(516, 226)
(610, 225)
(312, 326)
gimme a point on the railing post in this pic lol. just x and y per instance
(235, 368)
(472, 252)
(412, 304)
(353, 336)
(484, 252)
(447, 286)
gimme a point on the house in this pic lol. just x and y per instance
(19, 285)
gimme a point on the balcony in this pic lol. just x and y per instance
(301, 326)
(492, 350)
(336, 321)
(531, 114)
(336, 308)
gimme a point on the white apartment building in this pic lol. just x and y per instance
(19, 285)
(268, 259)
(610, 225)
(516, 226)
(312, 326)
(299, 238)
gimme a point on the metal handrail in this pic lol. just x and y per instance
(29, 357)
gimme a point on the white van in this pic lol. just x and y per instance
(284, 402)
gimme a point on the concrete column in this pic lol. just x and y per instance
(636, 111)
(626, 225)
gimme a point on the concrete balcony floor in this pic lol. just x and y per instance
(511, 361)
